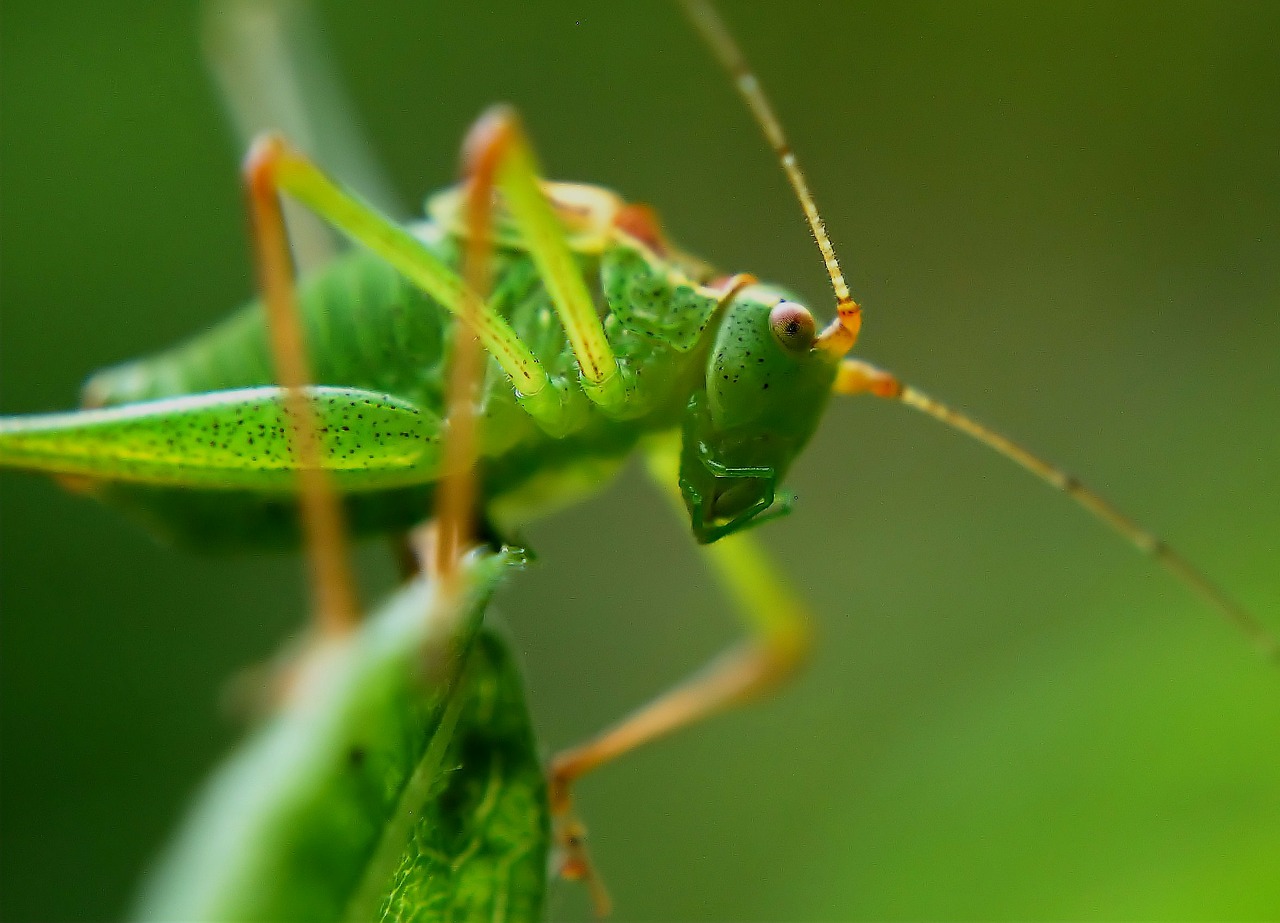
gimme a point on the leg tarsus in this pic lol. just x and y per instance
(572, 860)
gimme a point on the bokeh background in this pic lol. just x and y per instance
(1063, 218)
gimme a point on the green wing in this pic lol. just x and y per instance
(401, 782)
(230, 440)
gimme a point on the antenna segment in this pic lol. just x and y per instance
(839, 337)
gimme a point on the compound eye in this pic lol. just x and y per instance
(792, 326)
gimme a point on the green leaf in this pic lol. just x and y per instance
(400, 782)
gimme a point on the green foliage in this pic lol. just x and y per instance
(400, 781)
(478, 849)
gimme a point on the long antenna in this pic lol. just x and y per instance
(839, 337)
(860, 378)
(857, 377)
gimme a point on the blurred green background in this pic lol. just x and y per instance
(1063, 218)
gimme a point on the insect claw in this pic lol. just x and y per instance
(570, 858)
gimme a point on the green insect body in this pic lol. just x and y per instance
(733, 369)
(198, 441)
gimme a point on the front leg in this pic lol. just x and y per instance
(497, 152)
(778, 641)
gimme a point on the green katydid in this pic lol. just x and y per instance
(737, 366)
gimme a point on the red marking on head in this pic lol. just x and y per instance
(641, 222)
